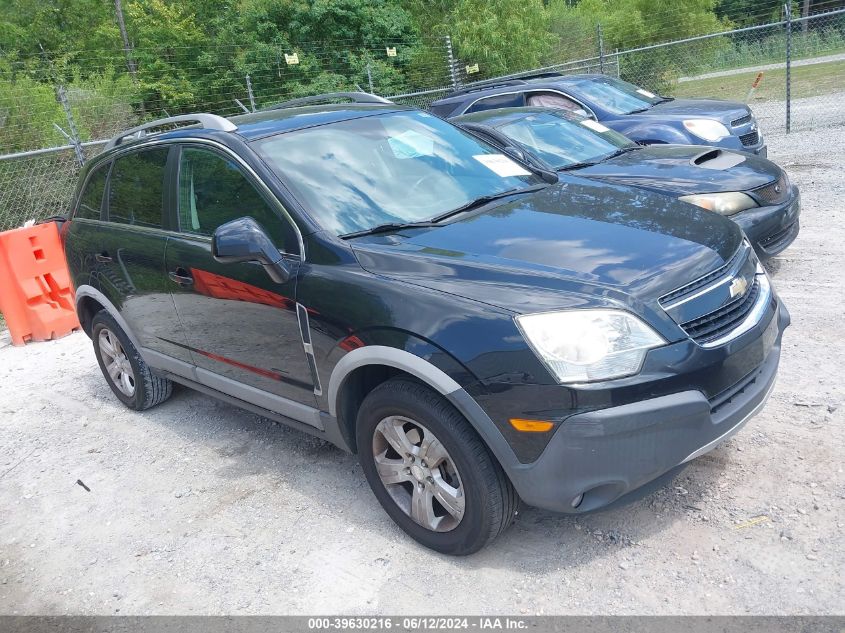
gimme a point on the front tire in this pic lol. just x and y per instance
(430, 470)
(129, 377)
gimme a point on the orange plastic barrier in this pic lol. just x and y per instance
(36, 297)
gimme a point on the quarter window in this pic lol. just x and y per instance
(136, 188)
(91, 200)
(498, 101)
(213, 190)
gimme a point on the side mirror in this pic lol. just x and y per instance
(243, 240)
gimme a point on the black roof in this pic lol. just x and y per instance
(502, 85)
(259, 124)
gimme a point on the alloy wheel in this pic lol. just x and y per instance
(116, 362)
(418, 473)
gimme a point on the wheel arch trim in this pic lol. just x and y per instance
(438, 380)
(85, 290)
(392, 357)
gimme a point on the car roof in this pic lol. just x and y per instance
(268, 122)
(494, 87)
(256, 125)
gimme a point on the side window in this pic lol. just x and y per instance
(91, 199)
(498, 101)
(136, 188)
(213, 190)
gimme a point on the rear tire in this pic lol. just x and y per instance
(129, 377)
(430, 470)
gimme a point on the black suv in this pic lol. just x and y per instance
(375, 276)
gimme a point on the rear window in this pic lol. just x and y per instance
(136, 188)
(91, 200)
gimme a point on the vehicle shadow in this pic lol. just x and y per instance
(333, 484)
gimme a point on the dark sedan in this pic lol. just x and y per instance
(752, 191)
(640, 115)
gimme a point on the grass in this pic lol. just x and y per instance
(807, 81)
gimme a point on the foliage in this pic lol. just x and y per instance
(502, 35)
(196, 54)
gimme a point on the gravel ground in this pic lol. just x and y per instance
(198, 507)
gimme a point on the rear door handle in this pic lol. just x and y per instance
(181, 277)
(103, 257)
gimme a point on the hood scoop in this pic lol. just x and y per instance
(717, 159)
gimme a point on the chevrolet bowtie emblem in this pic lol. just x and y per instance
(738, 286)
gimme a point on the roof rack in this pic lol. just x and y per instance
(205, 121)
(355, 97)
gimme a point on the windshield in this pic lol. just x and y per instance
(617, 96)
(391, 168)
(562, 140)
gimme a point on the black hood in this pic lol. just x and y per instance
(686, 169)
(562, 246)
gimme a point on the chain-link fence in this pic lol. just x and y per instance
(71, 104)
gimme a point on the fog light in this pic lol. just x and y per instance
(577, 500)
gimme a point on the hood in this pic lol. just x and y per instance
(722, 111)
(563, 246)
(686, 169)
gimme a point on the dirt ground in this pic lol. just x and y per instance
(196, 507)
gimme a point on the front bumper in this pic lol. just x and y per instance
(604, 454)
(771, 229)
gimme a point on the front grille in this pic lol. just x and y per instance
(685, 291)
(773, 193)
(712, 326)
(750, 138)
(741, 120)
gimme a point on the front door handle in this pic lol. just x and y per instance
(103, 257)
(181, 277)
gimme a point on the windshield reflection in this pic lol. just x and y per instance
(397, 167)
(617, 96)
(561, 140)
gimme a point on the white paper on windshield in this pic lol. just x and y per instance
(501, 165)
(646, 93)
(594, 125)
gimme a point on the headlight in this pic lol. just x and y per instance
(708, 129)
(727, 203)
(589, 345)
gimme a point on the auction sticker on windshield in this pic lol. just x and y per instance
(501, 165)
(646, 93)
(594, 125)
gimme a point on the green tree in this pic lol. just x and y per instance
(502, 36)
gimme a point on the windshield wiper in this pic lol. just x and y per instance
(387, 227)
(638, 110)
(666, 99)
(579, 165)
(481, 201)
(619, 152)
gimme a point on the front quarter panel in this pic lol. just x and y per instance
(465, 341)
(650, 132)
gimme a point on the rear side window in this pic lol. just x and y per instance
(213, 190)
(136, 188)
(498, 101)
(91, 199)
